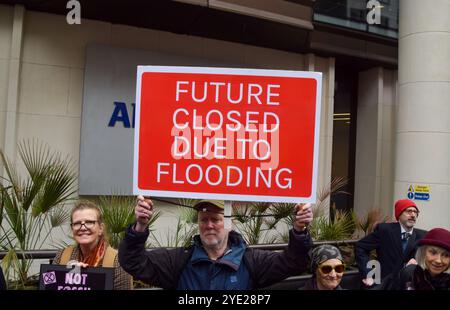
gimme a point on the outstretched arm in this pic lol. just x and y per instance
(158, 267)
(272, 267)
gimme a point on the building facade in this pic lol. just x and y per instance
(385, 96)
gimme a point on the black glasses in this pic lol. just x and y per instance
(326, 269)
(87, 224)
(412, 211)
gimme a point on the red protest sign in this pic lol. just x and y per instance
(233, 134)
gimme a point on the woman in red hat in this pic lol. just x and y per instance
(431, 268)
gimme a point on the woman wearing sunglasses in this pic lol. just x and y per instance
(92, 249)
(327, 268)
(430, 270)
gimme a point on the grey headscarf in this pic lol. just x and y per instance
(323, 253)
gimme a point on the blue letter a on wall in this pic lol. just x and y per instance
(120, 114)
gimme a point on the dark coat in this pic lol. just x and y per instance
(386, 240)
(413, 277)
(162, 267)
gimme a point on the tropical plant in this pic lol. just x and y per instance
(285, 212)
(1, 208)
(6, 233)
(180, 237)
(33, 206)
(118, 213)
(188, 214)
(322, 206)
(250, 221)
(341, 226)
(329, 223)
(256, 221)
(185, 229)
(367, 224)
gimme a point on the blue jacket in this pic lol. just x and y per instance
(228, 272)
(190, 268)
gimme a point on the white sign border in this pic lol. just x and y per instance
(231, 71)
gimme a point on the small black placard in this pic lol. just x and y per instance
(58, 277)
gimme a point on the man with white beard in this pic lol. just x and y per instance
(218, 259)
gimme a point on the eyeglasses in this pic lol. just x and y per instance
(326, 269)
(87, 224)
(412, 211)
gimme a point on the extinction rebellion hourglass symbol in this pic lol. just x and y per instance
(49, 278)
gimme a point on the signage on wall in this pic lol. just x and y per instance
(107, 125)
(234, 134)
(419, 192)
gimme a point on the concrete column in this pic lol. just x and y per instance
(327, 67)
(326, 131)
(423, 133)
(13, 83)
(374, 141)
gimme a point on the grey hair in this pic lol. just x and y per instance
(421, 254)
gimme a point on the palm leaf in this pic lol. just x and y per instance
(259, 207)
(59, 216)
(6, 235)
(241, 212)
(36, 158)
(49, 182)
(181, 236)
(373, 217)
(187, 214)
(283, 211)
(59, 186)
(118, 213)
(340, 227)
(321, 207)
(10, 263)
(12, 177)
(62, 244)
